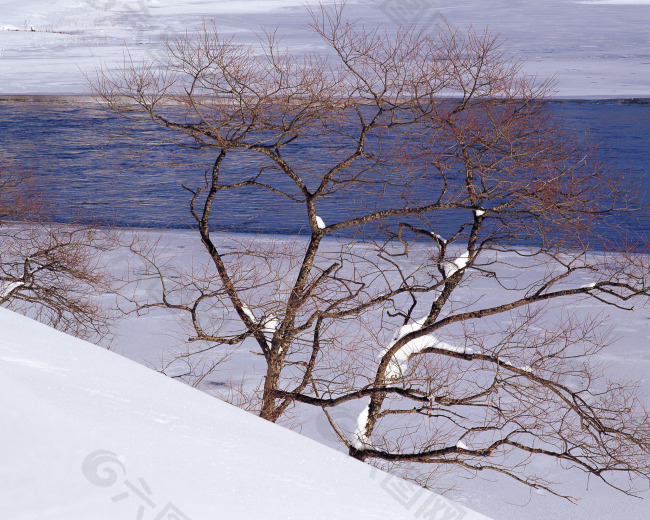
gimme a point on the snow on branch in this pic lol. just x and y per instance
(9, 289)
(248, 312)
(398, 364)
(438, 237)
(268, 324)
(360, 440)
(456, 265)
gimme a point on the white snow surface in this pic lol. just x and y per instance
(616, 2)
(88, 434)
(596, 49)
(320, 223)
(49, 388)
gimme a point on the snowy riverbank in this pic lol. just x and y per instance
(596, 49)
(153, 339)
(66, 402)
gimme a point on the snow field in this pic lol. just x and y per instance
(89, 434)
(594, 48)
(627, 359)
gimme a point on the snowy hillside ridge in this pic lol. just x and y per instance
(94, 435)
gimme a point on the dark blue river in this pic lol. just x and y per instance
(85, 175)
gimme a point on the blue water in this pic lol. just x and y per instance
(86, 175)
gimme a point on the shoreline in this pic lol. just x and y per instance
(87, 98)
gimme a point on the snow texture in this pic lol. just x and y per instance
(596, 48)
(96, 436)
(320, 223)
(41, 454)
(615, 2)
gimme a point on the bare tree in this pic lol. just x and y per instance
(460, 349)
(49, 271)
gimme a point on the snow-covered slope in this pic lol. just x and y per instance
(596, 48)
(87, 434)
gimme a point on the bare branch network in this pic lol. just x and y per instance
(50, 272)
(450, 344)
